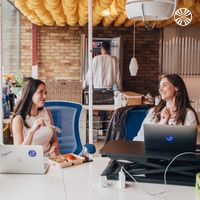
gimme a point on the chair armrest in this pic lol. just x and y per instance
(91, 149)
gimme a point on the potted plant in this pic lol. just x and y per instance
(17, 83)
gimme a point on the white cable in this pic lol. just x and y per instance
(134, 40)
(143, 18)
(130, 175)
(181, 154)
(149, 193)
(165, 173)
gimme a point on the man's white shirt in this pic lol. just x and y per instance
(105, 72)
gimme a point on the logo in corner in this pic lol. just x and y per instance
(32, 153)
(183, 16)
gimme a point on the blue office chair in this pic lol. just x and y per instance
(66, 116)
(126, 122)
(134, 120)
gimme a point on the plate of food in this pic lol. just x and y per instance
(66, 160)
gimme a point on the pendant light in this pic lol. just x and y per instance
(133, 66)
(150, 10)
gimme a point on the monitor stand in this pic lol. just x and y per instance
(149, 166)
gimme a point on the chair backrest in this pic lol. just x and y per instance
(66, 116)
(134, 121)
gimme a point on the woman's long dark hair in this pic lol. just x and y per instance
(182, 101)
(23, 107)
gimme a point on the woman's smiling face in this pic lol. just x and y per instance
(167, 90)
(39, 96)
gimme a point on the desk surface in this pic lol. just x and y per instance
(131, 150)
(81, 182)
(100, 107)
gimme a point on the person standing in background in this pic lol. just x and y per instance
(106, 78)
(105, 70)
(12, 96)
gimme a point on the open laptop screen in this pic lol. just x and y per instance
(170, 137)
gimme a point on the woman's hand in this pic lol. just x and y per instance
(38, 124)
(165, 115)
(54, 151)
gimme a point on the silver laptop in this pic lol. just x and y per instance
(25, 159)
(170, 137)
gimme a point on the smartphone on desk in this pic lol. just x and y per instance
(87, 159)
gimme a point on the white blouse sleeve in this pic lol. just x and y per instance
(147, 119)
(190, 118)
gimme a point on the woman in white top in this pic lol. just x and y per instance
(174, 107)
(31, 124)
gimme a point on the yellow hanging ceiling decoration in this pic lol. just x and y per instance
(75, 12)
(70, 8)
(83, 12)
(55, 8)
(30, 14)
(41, 11)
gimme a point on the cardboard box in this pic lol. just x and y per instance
(131, 98)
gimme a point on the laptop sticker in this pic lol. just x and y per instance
(32, 153)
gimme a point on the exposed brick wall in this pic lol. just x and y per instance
(59, 50)
(26, 46)
(147, 54)
(64, 90)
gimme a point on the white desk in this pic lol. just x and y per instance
(81, 183)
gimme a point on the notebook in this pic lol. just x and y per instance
(25, 159)
(170, 137)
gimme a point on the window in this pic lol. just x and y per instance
(10, 38)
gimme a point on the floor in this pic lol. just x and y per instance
(98, 144)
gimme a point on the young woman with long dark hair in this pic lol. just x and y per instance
(31, 123)
(174, 107)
